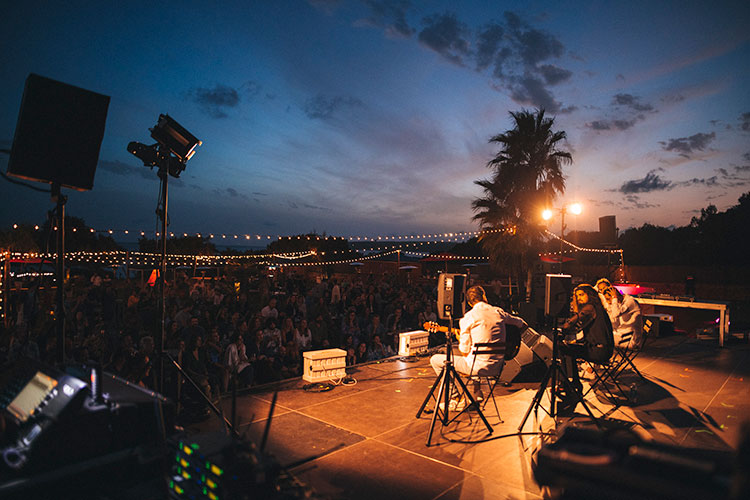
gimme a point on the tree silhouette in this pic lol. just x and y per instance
(526, 178)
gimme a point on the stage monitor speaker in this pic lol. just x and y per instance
(557, 295)
(451, 295)
(608, 230)
(58, 134)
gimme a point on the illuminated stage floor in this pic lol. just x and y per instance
(363, 441)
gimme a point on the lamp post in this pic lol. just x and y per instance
(547, 214)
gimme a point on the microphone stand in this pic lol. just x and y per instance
(555, 375)
(448, 374)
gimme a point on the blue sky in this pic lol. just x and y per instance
(373, 117)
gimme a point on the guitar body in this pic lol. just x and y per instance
(512, 336)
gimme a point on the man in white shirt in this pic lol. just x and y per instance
(270, 310)
(483, 323)
(624, 313)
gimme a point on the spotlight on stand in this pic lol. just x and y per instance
(174, 147)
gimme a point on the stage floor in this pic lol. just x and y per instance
(363, 441)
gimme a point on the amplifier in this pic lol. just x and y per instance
(658, 325)
(324, 365)
(411, 343)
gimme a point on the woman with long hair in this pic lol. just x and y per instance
(590, 317)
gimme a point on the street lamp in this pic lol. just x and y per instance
(548, 213)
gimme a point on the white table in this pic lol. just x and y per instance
(722, 307)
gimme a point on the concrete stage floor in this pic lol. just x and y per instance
(363, 441)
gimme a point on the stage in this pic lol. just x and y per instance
(363, 441)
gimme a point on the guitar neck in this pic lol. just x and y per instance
(434, 327)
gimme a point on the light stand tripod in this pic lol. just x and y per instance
(444, 380)
(552, 377)
(60, 199)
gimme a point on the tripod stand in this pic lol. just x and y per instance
(447, 375)
(552, 377)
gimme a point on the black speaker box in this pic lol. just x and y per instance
(658, 325)
(451, 295)
(557, 294)
(58, 134)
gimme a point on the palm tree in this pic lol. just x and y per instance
(526, 177)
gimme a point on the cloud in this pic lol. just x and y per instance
(516, 55)
(214, 102)
(321, 107)
(708, 182)
(625, 111)
(391, 15)
(746, 156)
(745, 122)
(232, 192)
(635, 202)
(535, 46)
(488, 43)
(553, 74)
(651, 182)
(447, 36)
(611, 124)
(631, 101)
(739, 176)
(599, 125)
(531, 90)
(686, 146)
(315, 207)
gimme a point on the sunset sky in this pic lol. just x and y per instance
(373, 117)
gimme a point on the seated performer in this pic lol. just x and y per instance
(624, 313)
(590, 317)
(483, 323)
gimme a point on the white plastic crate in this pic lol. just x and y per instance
(411, 343)
(324, 365)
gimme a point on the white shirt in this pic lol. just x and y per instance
(236, 358)
(627, 318)
(484, 323)
(268, 312)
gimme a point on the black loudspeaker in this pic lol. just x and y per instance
(451, 295)
(557, 295)
(58, 134)
(608, 230)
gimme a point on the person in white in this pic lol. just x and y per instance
(237, 363)
(483, 323)
(624, 313)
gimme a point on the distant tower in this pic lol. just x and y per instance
(608, 231)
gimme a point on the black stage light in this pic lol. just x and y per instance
(147, 154)
(175, 137)
(174, 147)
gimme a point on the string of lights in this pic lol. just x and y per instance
(332, 262)
(453, 235)
(578, 248)
(446, 256)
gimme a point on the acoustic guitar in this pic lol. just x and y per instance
(433, 327)
(512, 337)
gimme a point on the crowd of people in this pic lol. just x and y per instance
(245, 331)
(249, 330)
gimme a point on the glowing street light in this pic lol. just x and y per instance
(548, 213)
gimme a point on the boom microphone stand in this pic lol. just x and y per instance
(552, 377)
(447, 375)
